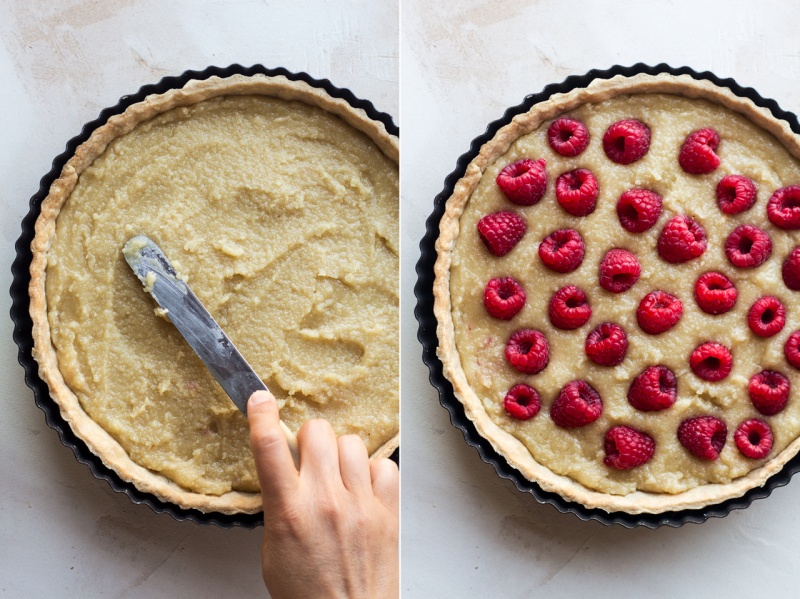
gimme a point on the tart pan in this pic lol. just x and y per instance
(21, 278)
(426, 334)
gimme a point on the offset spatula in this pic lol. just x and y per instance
(197, 326)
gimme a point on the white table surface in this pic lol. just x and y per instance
(62, 532)
(466, 532)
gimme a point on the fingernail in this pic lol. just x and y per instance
(260, 397)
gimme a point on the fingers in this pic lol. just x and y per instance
(386, 483)
(354, 464)
(319, 452)
(276, 472)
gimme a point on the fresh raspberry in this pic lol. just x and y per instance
(626, 141)
(753, 438)
(524, 182)
(766, 316)
(783, 208)
(576, 191)
(748, 247)
(715, 293)
(638, 210)
(792, 349)
(527, 351)
(501, 231)
(658, 311)
(698, 152)
(607, 344)
(569, 308)
(711, 361)
(735, 194)
(503, 297)
(627, 448)
(577, 404)
(568, 137)
(522, 402)
(791, 270)
(654, 389)
(703, 436)
(562, 250)
(769, 392)
(681, 240)
(619, 270)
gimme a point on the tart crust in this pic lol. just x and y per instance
(98, 440)
(512, 449)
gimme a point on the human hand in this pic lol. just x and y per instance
(331, 528)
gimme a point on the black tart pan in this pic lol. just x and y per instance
(21, 278)
(426, 334)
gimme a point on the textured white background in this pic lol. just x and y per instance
(62, 532)
(467, 533)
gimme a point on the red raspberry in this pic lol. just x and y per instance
(527, 351)
(576, 191)
(658, 311)
(607, 344)
(711, 361)
(569, 308)
(654, 389)
(735, 194)
(783, 208)
(638, 210)
(627, 448)
(681, 240)
(769, 392)
(577, 404)
(568, 137)
(503, 297)
(697, 154)
(522, 402)
(715, 293)
(748, 247)
(523, 182)
(703, 436)
(626, 141)
(753, 438)
(619, 270)
(562, 250)
(766, 316)
(791, 270)
(501, 231)
(792, 349)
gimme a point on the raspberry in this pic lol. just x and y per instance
(562, 250)
(568, 137)
(619, 270)
(769, 392)
(626, 141)
(638, 210)
(681, 240)
(503, 297)
(658, 311)
(607, 344)
(697, 154)
(783, 208)
(735, 194)
(753, 438)
(577, 404)
(654, 389)
(711, 361)
(703, 436)
(715, 293)
(576, 191)
(569, 308)
(522, 402)
(523, 182)
(792, 349)
(766, 316)
(627, 448)
(501, 231)
(791, 270)
(527, 351)
(748, 247)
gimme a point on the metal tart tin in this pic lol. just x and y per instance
(21, 278)
(426, 334)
